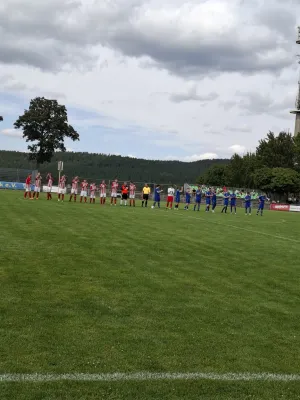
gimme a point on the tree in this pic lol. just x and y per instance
(45, 124)
(285, 180)
(214, 176)
(262, 179)
(277, 151)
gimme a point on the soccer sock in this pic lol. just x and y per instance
(71, 197)
(75, 197)
(195, 207)
(154, 204)
(50, 196)
(80, 199)
(85, 199)
(198, 207)
(171, 205)
(104, 199)
(25, 195)
(62, 197)
(37, 195)
(94, 200)
(146, 203)
(133, 203)
(158, 204)
(167, 204)
(121, 202)
(115, 200)
(111, 200)
(58, 196)
(29, 193)
(33, 195)
(47, 196)
(125, 201)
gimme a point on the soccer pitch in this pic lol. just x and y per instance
(138, 303)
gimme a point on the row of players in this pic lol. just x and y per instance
(173, 194)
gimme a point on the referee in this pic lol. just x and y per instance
(146, 192)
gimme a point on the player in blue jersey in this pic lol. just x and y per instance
(187, 199)
(177, 198)
(233, 202)
(198, 195)
(261, 205)
(248, 204)
(225, 202)
(157, 193)
(213, 201)
(208, 199)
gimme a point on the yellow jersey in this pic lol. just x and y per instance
(146, 190)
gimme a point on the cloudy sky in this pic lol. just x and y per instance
(192, 80)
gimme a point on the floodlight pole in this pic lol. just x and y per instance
(296, 111)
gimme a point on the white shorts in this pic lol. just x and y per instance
(102, 195)
(83, 193)
(114, 195)
(37, 189)
(27, 188)
(61, 191)
(73, 191)
(92, 196)
(49, 188)
(132, 196)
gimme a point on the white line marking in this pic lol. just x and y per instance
(150, 376)
(241, 228)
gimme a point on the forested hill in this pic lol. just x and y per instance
(101, 166)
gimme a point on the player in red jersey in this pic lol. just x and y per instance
(132, 189)
(28, 187)
(83, 193)
(62, 188)
(74, 189)
(37, 187)
(49, 186)
(114, 192)
(93, 188)
(102, 188)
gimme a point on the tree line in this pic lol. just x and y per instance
(102, 166)
(273, 168)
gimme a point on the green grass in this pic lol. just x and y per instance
(93, 289)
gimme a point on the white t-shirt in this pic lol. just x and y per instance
(171, 191)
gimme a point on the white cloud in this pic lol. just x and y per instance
(12, 133)
(194, 157)
(168, 70)
(237, 148)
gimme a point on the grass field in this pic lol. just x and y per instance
(96, 290)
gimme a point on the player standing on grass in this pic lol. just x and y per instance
(49, 186)
(187, 199)
(124, 194)
(226, 202)
(198, 195)
(37, 187)
(177, 198)
(213, 201)
(114, 192)
(62, 188)
(27, 187)
(146, 192)
(93, 188)
(157, 193)
(132, 189)
(247, 204)
(208, 199)
(233, 202)
(74, 189)
(83, 193)
(102, 188)
(261, 205)
(170, 198)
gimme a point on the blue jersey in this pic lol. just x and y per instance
(198, 196)
(177, 196)
(214, 198)
(233, 199)
(187, 197)
(248, 201)
(262, 200)
(226, 199)
(207, 197)
(157, 194)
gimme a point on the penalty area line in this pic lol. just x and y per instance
(150, 376)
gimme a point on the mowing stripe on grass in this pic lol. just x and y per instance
(150, 376)
(238, 227)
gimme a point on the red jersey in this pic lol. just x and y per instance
(114, 187)
(102, 188)
(132, 189)
(62, 182)
(84, 186)
(50, 180)
(28, 180)
(92, 190)
(75, 184)
(38, 181)
(124, 189)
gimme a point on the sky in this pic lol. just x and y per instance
(183, 80)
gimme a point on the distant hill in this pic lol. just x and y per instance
(101, 166)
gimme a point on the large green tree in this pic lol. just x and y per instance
(277, 151)
(216, 175)
(45, 125)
